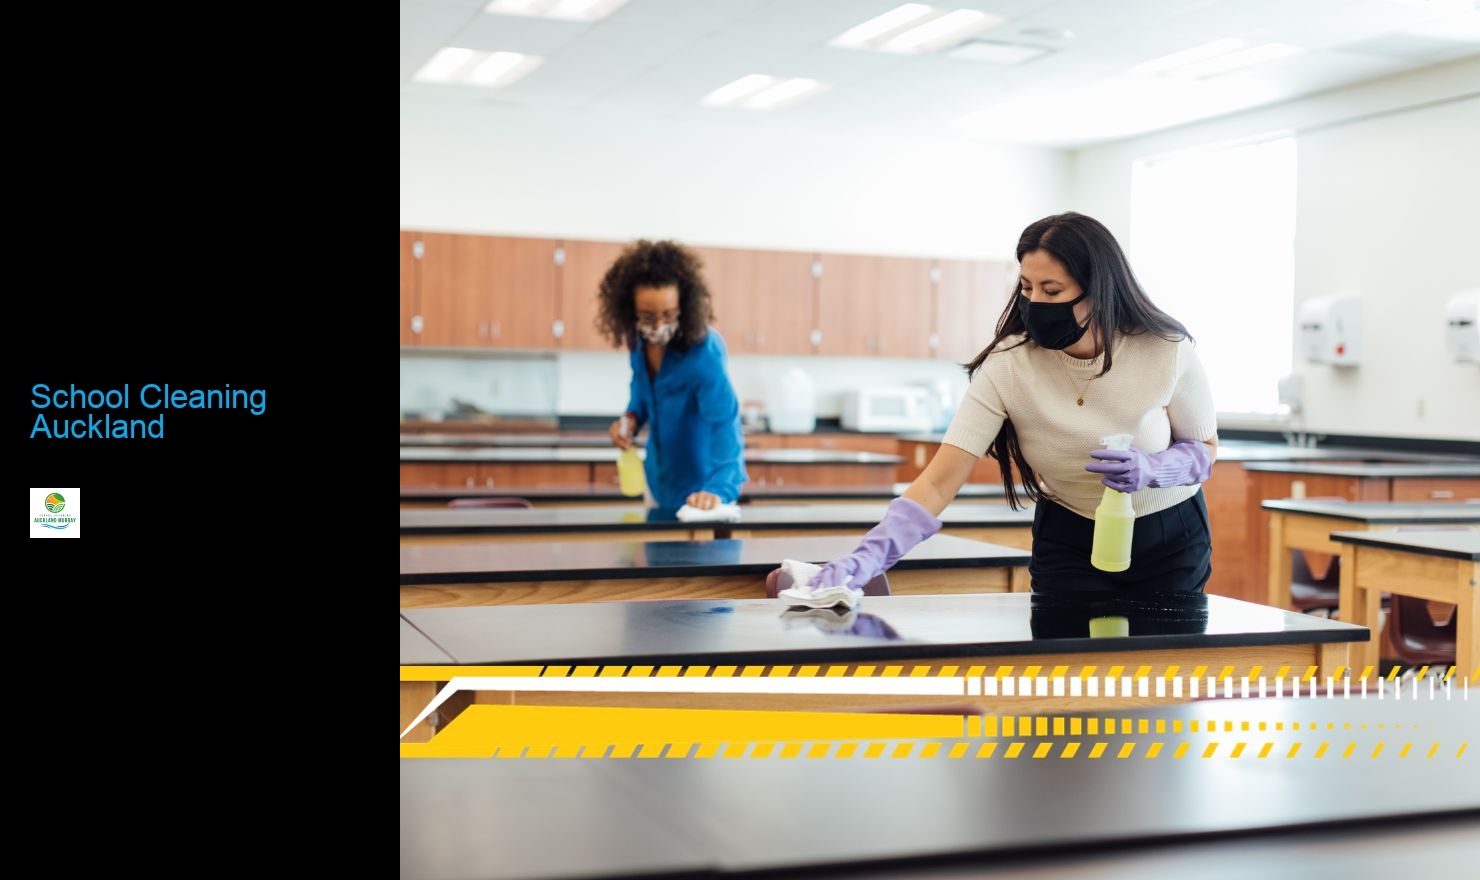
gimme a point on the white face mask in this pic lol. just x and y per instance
(658, 335)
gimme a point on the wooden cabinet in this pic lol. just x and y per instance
(918, 453)
(483, 291)
(785, 298)
(730, 275)
(968, 298)
(1415, 489)
(764, 301)
(409, 298)
(765, 441)
(1226, 492)
(489, 476)
(479, 291)
(815, 475)
(585, 263)
(883, 444)
(522, 294)
(874, 306)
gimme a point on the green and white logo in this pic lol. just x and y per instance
(55, 503)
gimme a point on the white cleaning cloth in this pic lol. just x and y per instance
(718, 513)
(825, 596)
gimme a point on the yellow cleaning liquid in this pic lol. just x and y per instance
(629, 473)
(629, 467)
(1115, 521)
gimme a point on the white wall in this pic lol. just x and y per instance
(597, 382)
(1388, 186)
(519, 172)
(514, 171)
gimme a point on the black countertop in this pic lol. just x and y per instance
(1382, 511)
(609, 455)
(551, 818)
(418, 650)
(1254, 451)
(749, 492)
(763, 631)
(1446, 543)
(614, 518)
(1376, 469)
(618, 560)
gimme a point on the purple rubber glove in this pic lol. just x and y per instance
(905, 524)
(1184, 463)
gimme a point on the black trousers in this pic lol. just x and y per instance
(1171, 551)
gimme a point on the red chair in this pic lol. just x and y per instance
(520, 503)
(1412, 632)
(1309, 593)
(1415, 638)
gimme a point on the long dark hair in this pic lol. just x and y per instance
(654, 264)
(1118, 306)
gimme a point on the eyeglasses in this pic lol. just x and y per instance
(651, 320)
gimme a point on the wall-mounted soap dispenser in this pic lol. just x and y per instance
(1462, 314)
(1331, 330)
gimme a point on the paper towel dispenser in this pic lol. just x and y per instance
(1463, 332)
(1330, 330)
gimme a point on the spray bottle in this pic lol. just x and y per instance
(629, 466)
(1115, 521)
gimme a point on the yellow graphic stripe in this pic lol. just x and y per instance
(568, 732)
(1227, 673)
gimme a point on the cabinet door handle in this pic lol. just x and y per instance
(1442, 493)
(416, 324)
(469, 482)
(496, 329)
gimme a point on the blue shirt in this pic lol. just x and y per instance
(693, 418)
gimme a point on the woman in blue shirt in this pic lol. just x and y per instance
(654, 301)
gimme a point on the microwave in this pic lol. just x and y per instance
(888, 410)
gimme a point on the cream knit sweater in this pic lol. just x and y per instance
(1156, 391)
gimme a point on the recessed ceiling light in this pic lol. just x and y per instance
(455, 66)
(731, 92)
(996, 53)
(1463, 28)
(1238, 60)
(1186, 56)
(1057, 35)
(569, 10)
(916, 28)
(757, 91)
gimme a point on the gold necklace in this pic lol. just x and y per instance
(1070, 377)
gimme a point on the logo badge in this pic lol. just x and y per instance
(55, 503)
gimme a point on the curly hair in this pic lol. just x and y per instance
(654, 264)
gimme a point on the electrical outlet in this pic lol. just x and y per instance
(1421, 406)
(494, 386)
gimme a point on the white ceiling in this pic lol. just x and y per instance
(657, 58)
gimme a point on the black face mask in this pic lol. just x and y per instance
(1051, 325)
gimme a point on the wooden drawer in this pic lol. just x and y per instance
(493, 475)
(765, 441)
(434, 474)
(883, 445)
(1450, 489)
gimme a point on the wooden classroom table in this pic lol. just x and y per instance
(1182, 630)
(497, 574)
(1441, 566)
(555, 495)
(1307, 524)
(993, 523)
(942, 817)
